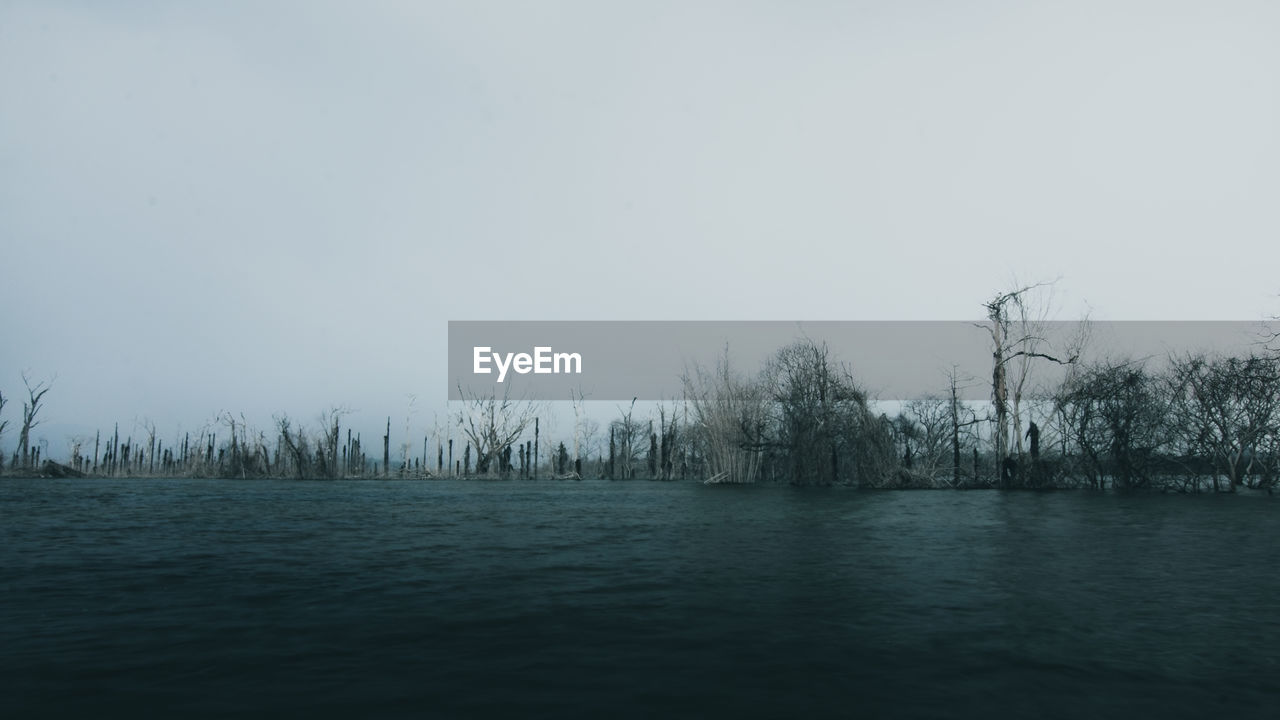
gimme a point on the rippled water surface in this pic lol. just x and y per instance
(594, 599)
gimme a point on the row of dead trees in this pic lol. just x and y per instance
(493, 445)
(1194, 422)
(1190, 423)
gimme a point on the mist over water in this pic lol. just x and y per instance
(550, 599)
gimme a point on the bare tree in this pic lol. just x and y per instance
(804, 420)
(75, 444)
(3, 424)
(296, 445)
(805, 390)
(671, 440)
(579, 429)
(437, 438)
(30, 409)
(327, 450)
(628, 442)
(1227, 408)
(963, 419)
(239, 462)
(589, 440)
(730, 413)
(409, 412)
(925, 426)
(820, 422)
(493, 424)
(150, 427)
(1016, 337)
(1116, 413)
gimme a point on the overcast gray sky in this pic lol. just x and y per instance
(264, 206)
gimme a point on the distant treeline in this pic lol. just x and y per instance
(291, 450)
(1196, 422)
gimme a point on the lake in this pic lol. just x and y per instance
(631, 599)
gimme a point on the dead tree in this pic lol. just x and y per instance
(729, 412)
(330, 434)
(1014, 336)
(1227, 408)
(957, 424)
(30, 409)
(386, 449)
(626, 444)
(667, 441)
(295, 443)
(925, 427)
(3, 424)
(150, 427)
(493, 424)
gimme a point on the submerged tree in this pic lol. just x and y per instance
(924, 429)
(493, 424)
(562, 459)
(729, 414)
(30, 409)
(1228, 410)
(1017, 338)
(820, 420)
(804, 420)
(962, 420)
(297, 446)
(807, 393)
(627, 443)
(330, 435)
(1116, 416)
(3, 424)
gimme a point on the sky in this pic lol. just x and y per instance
(267, 207)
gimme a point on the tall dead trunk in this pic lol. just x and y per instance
(386, 449)
(999, 391)
(955, 434)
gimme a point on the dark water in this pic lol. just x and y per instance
(631, 599)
